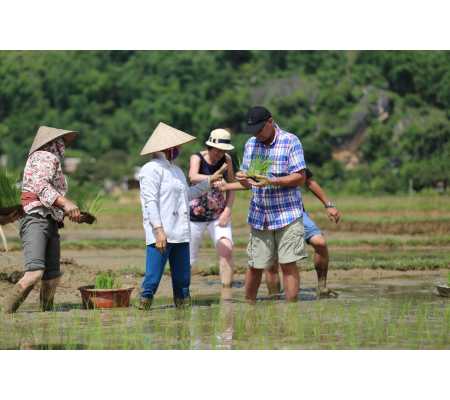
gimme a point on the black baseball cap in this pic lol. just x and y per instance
(256, 119)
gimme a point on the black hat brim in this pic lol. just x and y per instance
(255, 128)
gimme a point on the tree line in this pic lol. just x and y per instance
(369, 121)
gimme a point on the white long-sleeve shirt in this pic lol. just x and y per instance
(165, 197)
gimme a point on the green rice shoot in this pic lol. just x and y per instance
(448, 278)
(85, 200)
(95, 206)
(9, 192)
(259, 166)
(106, 280)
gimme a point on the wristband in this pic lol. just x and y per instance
(329, 204)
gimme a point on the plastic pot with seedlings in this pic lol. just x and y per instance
(106, 293)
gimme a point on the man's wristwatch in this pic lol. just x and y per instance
(329, 204)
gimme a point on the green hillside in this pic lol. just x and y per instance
(368, 121)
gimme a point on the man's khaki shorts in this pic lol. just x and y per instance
(285, 245)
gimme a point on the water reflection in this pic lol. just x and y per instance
(226, 316)
(365, 315)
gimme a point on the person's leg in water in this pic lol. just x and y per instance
(252, 281)
(291, 281)
(320, 260)
(273, 280)
(180, 271)
(314, 238)
(261, 255)
(225, 251)
(52, 274)
(21, 290)
(34, 233)
(47, 293)
(223, 240)
(197, 230)
(154, 268)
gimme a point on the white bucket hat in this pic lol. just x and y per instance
(164, 137)
(220, 139)
(46, 134)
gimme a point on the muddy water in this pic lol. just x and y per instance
(393, 313)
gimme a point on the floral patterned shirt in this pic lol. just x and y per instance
(209, 206)
(43, 176)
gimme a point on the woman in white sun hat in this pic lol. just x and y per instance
(212, 211)
(165, 197)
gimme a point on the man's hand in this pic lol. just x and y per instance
(240, 175)
(261, 181)
(161, 239)
(244, 180)
(71, 210)
(225, 217)
(333, 214)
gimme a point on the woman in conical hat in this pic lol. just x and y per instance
(44, 188)
(165, 197)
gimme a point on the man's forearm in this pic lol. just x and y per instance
(292, 180)
(317, 190)
(235, 186)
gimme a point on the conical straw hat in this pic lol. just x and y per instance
(46, 134)
(164, 137)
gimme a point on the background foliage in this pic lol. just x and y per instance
(387, 111)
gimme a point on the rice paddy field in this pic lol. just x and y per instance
(387, 254)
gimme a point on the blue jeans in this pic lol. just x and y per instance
(180, 269)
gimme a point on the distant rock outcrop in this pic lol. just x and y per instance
(374, 104)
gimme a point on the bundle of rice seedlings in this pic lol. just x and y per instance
(90, 206)
(9, 193)
(91, 209)
(259, 166)
(106, 280)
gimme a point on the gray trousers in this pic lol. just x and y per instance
(41, 245)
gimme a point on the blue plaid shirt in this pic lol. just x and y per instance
(273, 207)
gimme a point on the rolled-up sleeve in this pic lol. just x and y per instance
(39, 178)
(198, 189)
(247, 158)
(150, 185)
(296, 158)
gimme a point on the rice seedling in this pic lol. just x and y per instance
(259, 166)
(95, 206)
(91, 208)
(9, 193)
(106, 280)
(90, 205)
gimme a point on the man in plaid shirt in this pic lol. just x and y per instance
(275, 214)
